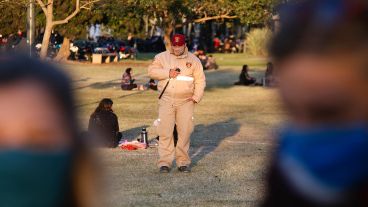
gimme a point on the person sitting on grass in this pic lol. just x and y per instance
(244, 78)
(127, 82)
(269, 79)
(152, 85)
(211, 63)
(104, 125)
(203, 58)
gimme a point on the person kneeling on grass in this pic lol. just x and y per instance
(104, 125)
(127, 81)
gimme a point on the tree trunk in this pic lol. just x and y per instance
(48, 29)
(146, 25)
(189, 32)
(167, 37)
(64, 51)
(244, 46)
(46, 40)
(152, 30)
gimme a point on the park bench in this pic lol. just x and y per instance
(104, 58)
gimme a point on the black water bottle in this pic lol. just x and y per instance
(144, 137)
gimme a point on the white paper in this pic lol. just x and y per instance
(184, 78)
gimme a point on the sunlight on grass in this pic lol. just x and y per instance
(230, 144)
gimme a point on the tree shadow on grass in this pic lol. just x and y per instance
(101, 85)
(81, 80)
(146, 56)
(132, 133)
(226, 78)
(114, 98)
(206, 138)
(220, 79)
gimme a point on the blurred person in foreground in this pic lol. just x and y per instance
(320, 56)
(43, 162)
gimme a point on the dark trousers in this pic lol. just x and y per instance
(175, 135)
(129, 87)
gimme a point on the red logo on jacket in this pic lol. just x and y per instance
(188, 64)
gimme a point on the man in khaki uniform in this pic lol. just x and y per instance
(176, 105)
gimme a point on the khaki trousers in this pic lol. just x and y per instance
(169, 114)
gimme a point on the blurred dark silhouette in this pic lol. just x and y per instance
(320, 55)
(43, 160)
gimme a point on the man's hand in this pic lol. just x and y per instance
(173, 73)
(191, 99)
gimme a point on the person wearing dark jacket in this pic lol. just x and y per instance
(244, 78)
(152, 85)
(104, 124)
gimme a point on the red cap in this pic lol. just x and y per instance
(178, 40)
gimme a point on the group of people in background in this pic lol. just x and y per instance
(10, 42)
(208, 62)
(228, 44)
(268, 80)
(128, 82)
(221, 43)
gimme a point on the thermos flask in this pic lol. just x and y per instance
(144, 137)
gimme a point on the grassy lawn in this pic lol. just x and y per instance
(230, 144)
(237, 59)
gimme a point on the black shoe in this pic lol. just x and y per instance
(184, 169)
(164, 169)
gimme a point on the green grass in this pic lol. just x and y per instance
(235, 60)
(145, 56)
(239, 59)
(230, 143)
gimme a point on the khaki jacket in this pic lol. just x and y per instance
(190, 83)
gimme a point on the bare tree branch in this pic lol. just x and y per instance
(224, 16)
(88, 4)
(199, 9)
(76, 11)
(43, 6)
(66, 20)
